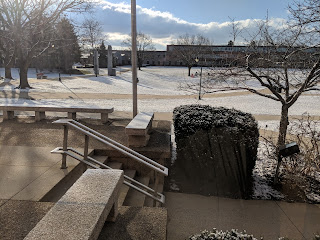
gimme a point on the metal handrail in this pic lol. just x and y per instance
(130, 184)
(119, 147)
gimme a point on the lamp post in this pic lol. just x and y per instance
(197, 60)
(58, 61)
(122, 55)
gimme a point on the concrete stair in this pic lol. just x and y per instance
(129, 196)
(124, 189)
(149, 202)
(135, 198)
(100, 158)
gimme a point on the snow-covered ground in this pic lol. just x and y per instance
(152, 81)
(155, 81)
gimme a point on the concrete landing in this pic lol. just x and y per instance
(190, 214)
(28, 173)
(17, 218)
(136, 223)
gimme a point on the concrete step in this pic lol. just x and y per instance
(100, 158)
(136, 223)
(115, 165)
(149, 201)
(135, 198)
(124, 188)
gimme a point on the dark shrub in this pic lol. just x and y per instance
(217, 148)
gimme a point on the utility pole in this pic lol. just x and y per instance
(134, 57)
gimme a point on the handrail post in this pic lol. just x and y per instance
(65, 147)
(86, 147)
(156, 182)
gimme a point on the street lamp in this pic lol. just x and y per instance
(197, 60)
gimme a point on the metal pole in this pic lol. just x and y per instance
(200, 84)
(134, 57)
(65, 147)
(86, 147)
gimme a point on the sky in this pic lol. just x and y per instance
(165, 20)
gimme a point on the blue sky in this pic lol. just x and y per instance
(165, 20)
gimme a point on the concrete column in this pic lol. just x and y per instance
(110, 60)
(96, 62)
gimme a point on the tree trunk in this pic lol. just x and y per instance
(7, 70)
(281, 137)
(189, 71)
(24, 77)
(283, 126)
(8, 65)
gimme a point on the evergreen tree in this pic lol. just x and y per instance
(67, 50)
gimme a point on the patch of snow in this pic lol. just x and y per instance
(173, 186)
(269, 125)
(313, 197)
(262, 172)
(173, 146)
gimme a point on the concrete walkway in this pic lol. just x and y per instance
(28, 173)
(189, 214)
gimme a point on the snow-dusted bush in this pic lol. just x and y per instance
(231, 235)
(190, 118)
(216, 149)
(222, 235)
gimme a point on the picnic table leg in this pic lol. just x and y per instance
(7, 115)
(104, 117)
(39, 116)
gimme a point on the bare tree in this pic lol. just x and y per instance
(7, 51)
(91, 33)
(286, 66)
(188, 48)
(144, 46)
(29, 23)
(306, 13)
(236, 29)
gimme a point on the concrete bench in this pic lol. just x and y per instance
(83, 210)
(8, 111)
(138, 129)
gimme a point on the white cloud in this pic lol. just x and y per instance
(164, 27)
